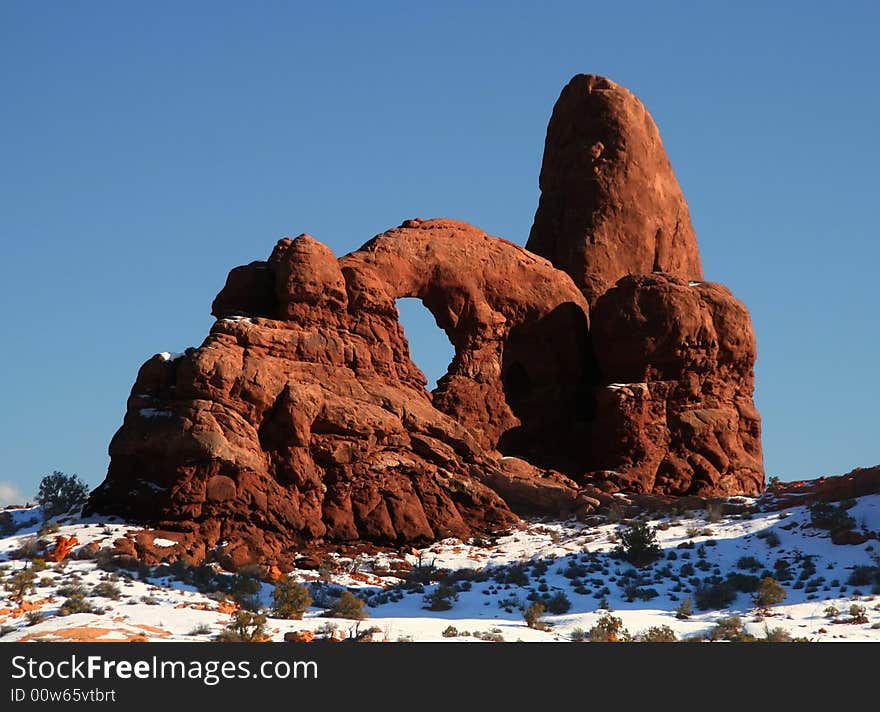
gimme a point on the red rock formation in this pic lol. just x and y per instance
(63, 546)
(610, 204)
(859, 482)
(301, 417)
(674, 412)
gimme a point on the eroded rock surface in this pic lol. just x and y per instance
(301, 417)
(597, 361)
(610, 203)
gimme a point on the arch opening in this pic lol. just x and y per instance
(429, 347)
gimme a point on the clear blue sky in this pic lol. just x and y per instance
(147, 148)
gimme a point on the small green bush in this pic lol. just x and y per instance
(608, 629)
(769, 593)
(825, 515)
(558, 604)
(777, 635)
(864, 576)
(638, 544)
(729, 628)
(20, 584)
(106, 589)
(685, 610)
(76, 604)
(745, 583)
(713, 596)
(858, 614)
(34, 617)
(441, 598)
(245, 588)
(348, 606)
(534, 616)
(245, 627)
(749, 563)
(657, 634)
(290, 599)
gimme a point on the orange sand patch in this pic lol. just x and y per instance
(94, 634)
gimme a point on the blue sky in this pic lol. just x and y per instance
(147, 148)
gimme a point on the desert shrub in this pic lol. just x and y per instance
(713, 596)
(441, 598)
(578, 635)
(534, 616)
(714, 511)
(245, 588)
(770, 538)
(777, 635)
(769, 593)
(34, 617)
(48, 528)
(450, 631)
(858, 614)
(59, 492)
(575, 570)
(864, 576)
(201, 629)
(347, 606)
(685, 610)
(743, 582)
(290, 599)
(638, 544)
(29, 548)
(693, 530)
(76, 603)
(422, 572)
(729, 628)
(245, 627)
(8, 526)
(608, 629)
(686, 570)
(105, 589)
(71, 589)
(204, 578)
(491, 636)
(832, 612)
(558, 604)
(825, 515)
(749, 563)
(515, 575)
(20, 584)
(657, 634)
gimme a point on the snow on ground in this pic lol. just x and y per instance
(570, 562)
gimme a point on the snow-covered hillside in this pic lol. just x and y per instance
(571, 567)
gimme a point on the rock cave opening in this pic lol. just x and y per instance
(429, 347)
